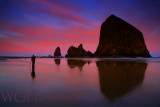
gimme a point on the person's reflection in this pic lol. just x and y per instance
(77, 63)
(57, 61)
(33, 75)
(120, 77)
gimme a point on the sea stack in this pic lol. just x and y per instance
(120, 39)
(57, 52)
(78, 52)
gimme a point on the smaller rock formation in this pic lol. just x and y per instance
(78, 52)
(57, 52)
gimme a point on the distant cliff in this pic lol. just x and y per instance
(120, 39)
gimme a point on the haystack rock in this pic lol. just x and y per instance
(78, 52)
(57, 52)
(120, 39)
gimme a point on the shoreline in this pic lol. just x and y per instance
(19, 57)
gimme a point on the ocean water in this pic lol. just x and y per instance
(80, 82)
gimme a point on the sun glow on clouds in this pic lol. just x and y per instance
(39, 26)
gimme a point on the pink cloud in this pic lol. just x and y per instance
(152, 43)
(63, 38)
(39, 31)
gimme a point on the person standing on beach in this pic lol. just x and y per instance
(33, 63)
(33, 59)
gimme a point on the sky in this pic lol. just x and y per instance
(38, 26)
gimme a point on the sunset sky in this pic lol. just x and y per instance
(38, 26)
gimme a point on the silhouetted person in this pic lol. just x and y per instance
(33, 59)
(33, 63)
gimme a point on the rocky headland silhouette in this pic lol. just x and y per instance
(78, 52)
